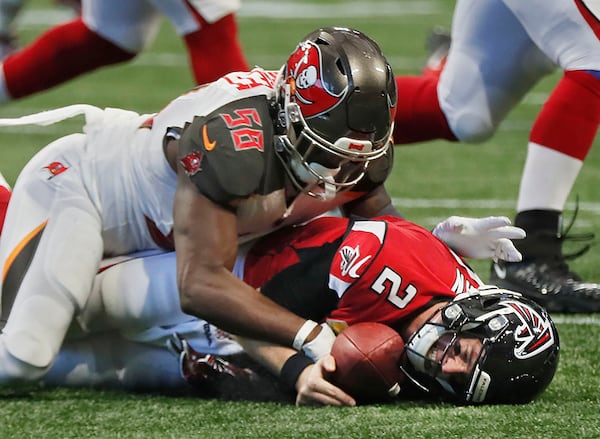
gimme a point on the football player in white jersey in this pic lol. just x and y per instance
(111, 31)
(226, 162)
(239, 157)
(499, 50)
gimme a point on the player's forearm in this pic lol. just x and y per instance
(236, 307)
(271, 356)
(285, 363)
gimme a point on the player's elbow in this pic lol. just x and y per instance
(187, 300)
(194, 297)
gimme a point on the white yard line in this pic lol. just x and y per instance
(454, 203)
(577, 320)
(350, 9)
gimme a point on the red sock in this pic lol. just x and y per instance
(4, 198)
(569, 119)
(60, 54)
(419, 116)
(214, 50)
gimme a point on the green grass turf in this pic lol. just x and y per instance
(430, 181)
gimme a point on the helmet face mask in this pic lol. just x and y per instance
(518, 354)
(336, 96)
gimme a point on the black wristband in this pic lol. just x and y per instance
(292, 369)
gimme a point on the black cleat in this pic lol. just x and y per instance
(551, 284)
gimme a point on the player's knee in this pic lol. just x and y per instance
(473, 127)
(36, 328)
(15, 370)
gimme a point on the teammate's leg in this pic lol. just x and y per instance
(559, 142)
(214, 50)
(49, 252)
(108, 32)
(61, 53)
(490, 66)
(210, 33)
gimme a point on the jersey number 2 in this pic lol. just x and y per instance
(389, 281)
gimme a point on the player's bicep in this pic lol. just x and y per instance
(205, 233)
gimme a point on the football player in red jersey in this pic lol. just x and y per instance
(111, 31)
(227, 162)
(466, 342)
(499, 50)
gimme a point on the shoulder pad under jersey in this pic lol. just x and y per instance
(227, 152)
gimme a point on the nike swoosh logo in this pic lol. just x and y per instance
(500, 271)
(208, 145)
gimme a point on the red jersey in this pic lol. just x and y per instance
(347, 271)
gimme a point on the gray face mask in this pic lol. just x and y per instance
(319, 179)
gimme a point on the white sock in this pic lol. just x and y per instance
(547, 180)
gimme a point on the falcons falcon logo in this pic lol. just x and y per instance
(534, 335)
(351, 261)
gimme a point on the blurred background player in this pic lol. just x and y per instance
(9, 12)
(499, 50)
(112, 31)
(9, 9)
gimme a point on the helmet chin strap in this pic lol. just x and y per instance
(324, 176)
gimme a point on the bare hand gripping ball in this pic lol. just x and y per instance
(367, 357)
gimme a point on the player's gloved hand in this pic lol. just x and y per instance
(481, 238)
(200, 369)
(314, 389)
(320, 345)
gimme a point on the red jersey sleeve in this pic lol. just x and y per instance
(385, 271)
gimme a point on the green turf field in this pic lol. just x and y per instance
(430, 181)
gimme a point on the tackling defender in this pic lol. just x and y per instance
(312, 137)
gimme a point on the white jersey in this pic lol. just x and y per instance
(109, 191)
(120, 165)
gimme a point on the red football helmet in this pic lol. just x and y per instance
(337, 100)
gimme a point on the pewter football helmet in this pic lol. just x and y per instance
(337, 100)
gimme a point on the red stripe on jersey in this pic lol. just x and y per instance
(166, 242)
(592, 18)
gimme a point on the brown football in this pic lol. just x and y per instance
(367, 356)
